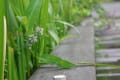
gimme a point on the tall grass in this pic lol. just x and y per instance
(34, 28)
(27, 47)
(2, 37)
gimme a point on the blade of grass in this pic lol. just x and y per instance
(68, 24)
(5, 40)
(51, 59)
(54, 36)
(98, 64)
(12, 28)
(11, 19)
(19, 58)
(12, 69)
(10, 64)
(32, 13)
(23, 60)
(43, 23)
(26, 3)
(2, 37)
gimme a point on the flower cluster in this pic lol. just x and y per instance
(33, 38)
(39, 30)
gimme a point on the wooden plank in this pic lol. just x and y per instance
(108, 75)
(110, 37)
(107, 60)
(111, 29)
(112, 8)
(106, 68)
(108, 52)
(109, 44)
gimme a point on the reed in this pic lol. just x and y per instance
(2, 38)
(34, 28)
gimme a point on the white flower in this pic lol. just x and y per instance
(32, 38)
(39, 30)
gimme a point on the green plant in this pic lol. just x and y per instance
(34, 28)
(2, 37)
(31, 33)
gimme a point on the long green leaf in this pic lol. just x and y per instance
(12, 69)
(68, 24)
(98, 64)
(33, 12)
(51, 59)
(54, 36)
(11, 19)
(44, 24)
(2, 13)
(26, 3)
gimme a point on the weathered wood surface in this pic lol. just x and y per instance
(107, 60)
(108, 75)
(79, 48)
(106, 68)
(109, 37)
(112, 9)
(108, 52)
(109, 43)
(110, 29)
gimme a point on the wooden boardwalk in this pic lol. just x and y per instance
(110, 41)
